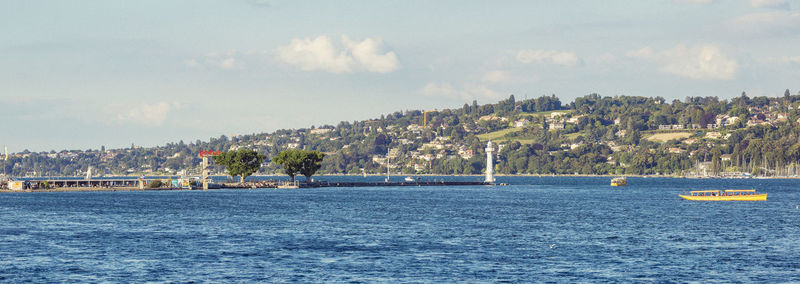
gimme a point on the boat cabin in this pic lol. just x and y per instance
(729, 192)
(737, 192)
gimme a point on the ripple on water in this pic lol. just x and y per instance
(540, 229)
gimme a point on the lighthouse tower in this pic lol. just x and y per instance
(489, 164)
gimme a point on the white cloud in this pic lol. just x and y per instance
(782, 60)
(316, 54)
(192, 62)
(467, 92)
(644, 53)
(496, 76)
(778, 4)
(605, 58)
(767, 23)
(227, 63)
(552, 56)
(368, 54)
(153, 114)
(696, 62)
(222, 60)
(440, 89)
(321, 53)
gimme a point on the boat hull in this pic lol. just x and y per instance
(753, 197)
(619, 182)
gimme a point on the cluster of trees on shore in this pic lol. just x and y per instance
(299, 161)
(244, 163)
(605, 135)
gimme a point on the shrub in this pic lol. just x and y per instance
(155, 184)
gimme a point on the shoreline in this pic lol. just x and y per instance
(249, 185)
(537, 175)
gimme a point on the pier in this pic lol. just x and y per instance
(383, 184)
(66, 182)
(319, 184)
(132, 183)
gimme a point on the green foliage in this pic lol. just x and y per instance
(296, 161)
(155, 184)
(241, 162)
(291, 160)
(601, 135)
(312, 161)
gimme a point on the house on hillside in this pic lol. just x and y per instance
(379, 159)
(465, 153)
(671, 127)
(320, 131)
(415, 128)
(676, 150)
(574, 119)
(557, 114)
(713, 135)
(494, 117)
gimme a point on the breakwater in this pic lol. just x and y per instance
(373, 184)
(128, 184)
(319, 184)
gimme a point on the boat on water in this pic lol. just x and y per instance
(726, 195)
(620, 181)
(409, 179)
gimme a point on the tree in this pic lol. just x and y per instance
(312, 161)
(291, 160)
(242, 162)
(299, 161)
(716, 161)
(155, 184)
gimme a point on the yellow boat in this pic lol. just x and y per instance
(727, 195)
(620, 181)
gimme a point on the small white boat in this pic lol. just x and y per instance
(409, 179)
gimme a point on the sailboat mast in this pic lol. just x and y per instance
(387, 164)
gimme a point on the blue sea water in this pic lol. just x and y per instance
(538, 229)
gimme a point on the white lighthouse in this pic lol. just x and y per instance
(489, 164)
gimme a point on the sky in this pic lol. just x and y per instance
(77, 75)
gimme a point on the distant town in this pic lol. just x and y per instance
(593, 135)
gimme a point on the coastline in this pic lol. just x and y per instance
(251, 186)
(551, 175)
(495, 174)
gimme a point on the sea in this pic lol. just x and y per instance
(535, 229)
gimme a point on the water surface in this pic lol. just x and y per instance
(537, 229)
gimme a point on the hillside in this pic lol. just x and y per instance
(592, 135)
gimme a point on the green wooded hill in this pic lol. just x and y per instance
(591, 135)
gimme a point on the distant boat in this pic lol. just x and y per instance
(620, 181)
(727, 195)
(409, 179)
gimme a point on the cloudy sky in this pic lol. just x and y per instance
(85, 74)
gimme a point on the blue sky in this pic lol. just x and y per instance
(85, 74)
